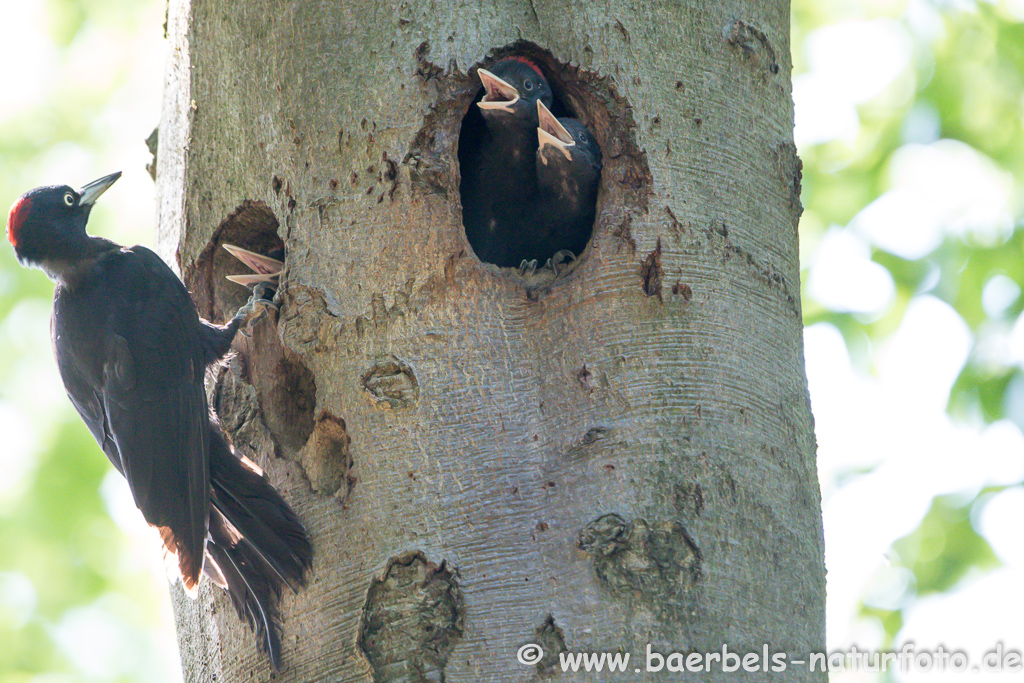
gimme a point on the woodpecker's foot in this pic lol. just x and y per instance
(527, 268)
(561, 261)
(259, 291)
(254, 310)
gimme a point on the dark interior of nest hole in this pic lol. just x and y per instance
(511, 248)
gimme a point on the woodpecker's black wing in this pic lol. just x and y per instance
(127, 342)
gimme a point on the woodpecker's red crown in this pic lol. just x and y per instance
(42, 219)
(527, 62)
(16, 218)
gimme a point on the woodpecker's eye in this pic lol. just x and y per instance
(583, 137)
(528, 85)
(69, 199)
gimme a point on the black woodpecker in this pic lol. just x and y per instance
(132, 352)
(498, 175)
(568, 167)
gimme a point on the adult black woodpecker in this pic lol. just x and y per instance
(568, 167)
(132, 352)
(498, 175)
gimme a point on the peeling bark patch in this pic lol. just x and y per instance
(306, 322)
(431, 157)
(412, 619)
(727, 486)
(656, 561)
(622, 29)
(552, 641)
(152, 142)
(389, 175)
(673, 222)
(237, 408)
(624, 235)
(391, 383)
(791, 169)
(754, 46)
(596, 441)
(425, 69)
(650, 271)
(327, 458)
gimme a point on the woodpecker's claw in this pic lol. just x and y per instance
(527, 268)
(258, 292)
(561, 261)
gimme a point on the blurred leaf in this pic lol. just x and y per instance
(945, 547)
(890, 620)
(909, 276)
(981, 389)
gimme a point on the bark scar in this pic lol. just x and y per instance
(754, 46)
(651, 272)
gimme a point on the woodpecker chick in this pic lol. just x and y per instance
(267, 268)
(568, 167)
(498, 176)
(132, 352)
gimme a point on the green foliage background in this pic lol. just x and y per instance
(79, 600)
(959, 93)
(77, 603)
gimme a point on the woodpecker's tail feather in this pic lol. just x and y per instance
(252, 594)
(180, 565)
(257, 545)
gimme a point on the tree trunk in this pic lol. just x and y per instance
(616, 458)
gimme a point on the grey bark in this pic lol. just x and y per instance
(621, 457)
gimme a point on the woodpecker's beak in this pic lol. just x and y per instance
(91, 192)
(499, 96)
(267, 269)
(551, 133)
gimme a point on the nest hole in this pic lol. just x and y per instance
(251, 226)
